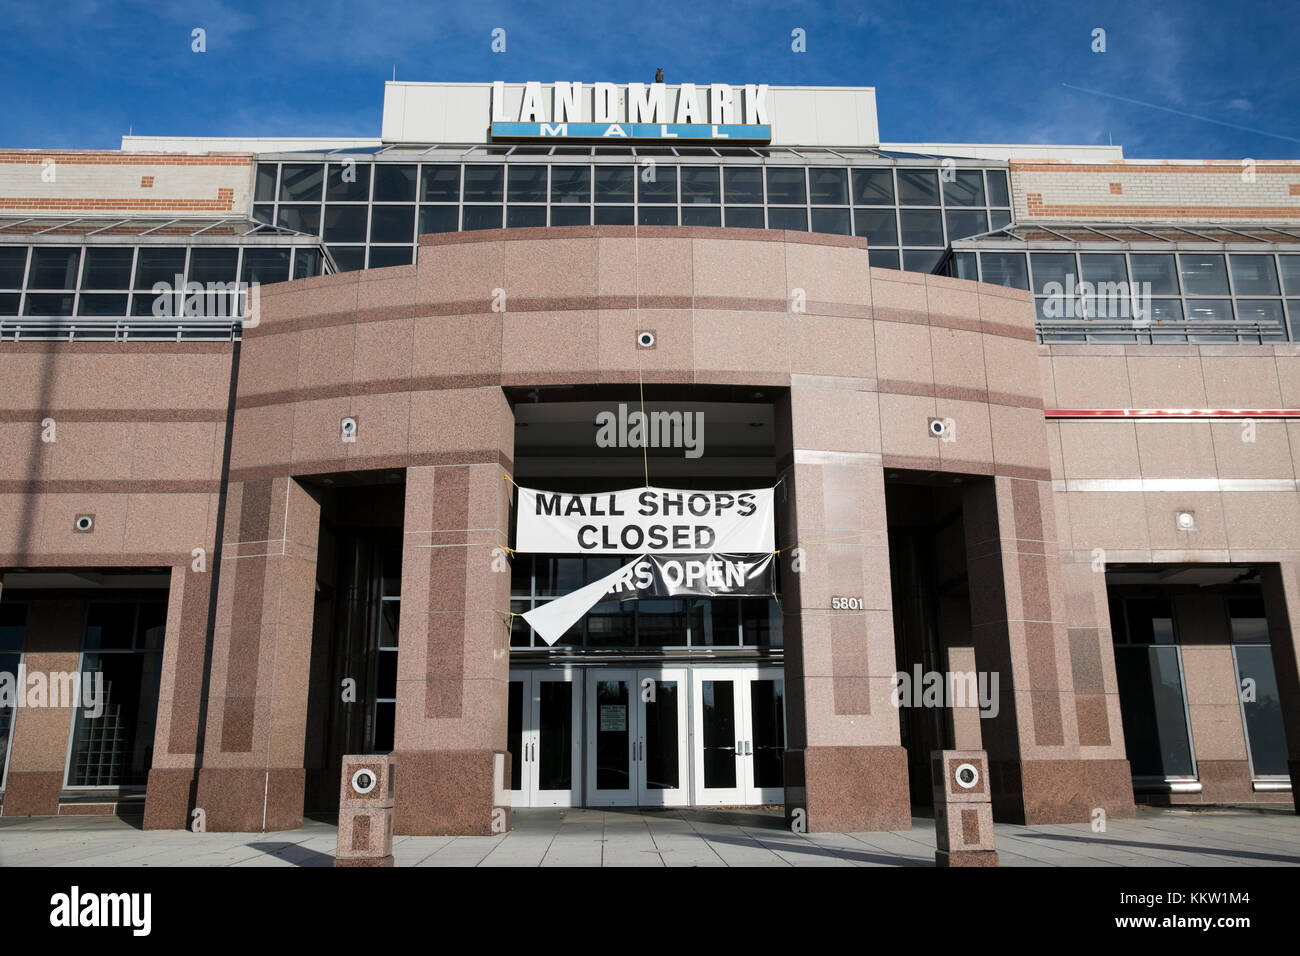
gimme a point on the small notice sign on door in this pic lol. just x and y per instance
(613, 717)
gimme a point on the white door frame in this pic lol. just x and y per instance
(530, 794)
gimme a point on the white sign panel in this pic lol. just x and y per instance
(646, 521)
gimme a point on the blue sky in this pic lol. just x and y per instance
(1177, 80)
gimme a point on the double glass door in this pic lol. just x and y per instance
(636, 738)
(660, 736)
(544, 722)
(739, 735)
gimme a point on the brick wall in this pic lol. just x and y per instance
(62, 182)
(1211, 191)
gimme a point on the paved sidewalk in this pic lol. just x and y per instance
(687, 837)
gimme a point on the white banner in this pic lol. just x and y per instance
(646, 521)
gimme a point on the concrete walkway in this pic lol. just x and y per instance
(687, 837)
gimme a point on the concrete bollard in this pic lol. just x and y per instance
(963, 810)
(366, 811)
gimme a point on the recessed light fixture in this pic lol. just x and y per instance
(1186, 521)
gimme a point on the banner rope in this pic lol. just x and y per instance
(645, 437)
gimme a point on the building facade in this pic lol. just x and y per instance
(1031, 414)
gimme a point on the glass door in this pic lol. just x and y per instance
(545, 765)
(739, 735)
(612, 742)
(663, 770)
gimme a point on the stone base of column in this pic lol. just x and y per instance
(847, 789)
(944, 859)
(168, 798)
(1060, 791)
(450, 793)
(32, 793)
(250, 800)
(377, 861)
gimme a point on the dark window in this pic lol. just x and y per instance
(394, 182)
(482, 217)
(700, 185)
(382, 256)
(743, 184)
(482, 184)
(53, 268)
(155, 264)
(828, 187)
(523, 216)
(966, 222)
(264, 190)
(9, 303)
(999, 195)
(835, 221)
(657, 216)
(49, 303)
(657, 184)
(348, 182)
(701, 216)
(796, 219)
(921, 227)
(213, 265)
(527, 183)
(570, 215)
(785, 185)
(301, 182)
(306, 262)
(883, 258)
(345, 223)
(13, 262)
(392, 223)
(999, 218)
(99, 303)
(878, 225)
(438, 219)
(614, 216)
(965, 266)
(918, 187)
(349, 258)
(300, 219)
(921, 260)
(441, 183)
(265, 266)
(873, 187)
(1005, 268)
(1055, 267)
(107, 267)
(614, 184)
(966, 188)
(570, 184)
(745, 217)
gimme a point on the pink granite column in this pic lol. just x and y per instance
(1055, 745)
(252, 776)
(845, 766)
(38, 753)
(453, 657)
(1282, 605)
(173, 777)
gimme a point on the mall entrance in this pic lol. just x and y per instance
(647, 736)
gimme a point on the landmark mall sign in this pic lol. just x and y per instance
(710, 114)
(639, 111)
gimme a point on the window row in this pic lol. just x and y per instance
(675, 622)
(647, 182)
(98, 280)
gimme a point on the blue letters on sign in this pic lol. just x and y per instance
(757, 133)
